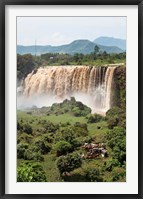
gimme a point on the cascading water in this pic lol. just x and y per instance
(90, 85)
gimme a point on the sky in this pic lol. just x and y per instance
(63, 30)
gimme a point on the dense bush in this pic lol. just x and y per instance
(93, 175)
(70, 106)
(116, 140)
(94, 118)
(80, 129)
(31, 172)
(80, 110)
(21, 148)
(41, 145)
(24, 137)
(63, 147)
(27, 128)
(77, 175)
(110, 164)
(69, 162)
(49, 126)
(116, 117)
(25, 65)
(29, 154)
(118, 174)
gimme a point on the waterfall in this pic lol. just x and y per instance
(90, 85)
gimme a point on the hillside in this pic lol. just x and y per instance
(52, 146)
(77, 46)
(111, 41)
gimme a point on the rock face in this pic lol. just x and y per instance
(94, 86)
(119, 87)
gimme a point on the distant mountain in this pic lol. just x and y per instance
(111, 41)
(77, 46)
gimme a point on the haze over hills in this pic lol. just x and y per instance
(111, 41)
(77, 46)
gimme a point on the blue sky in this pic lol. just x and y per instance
(63, 30)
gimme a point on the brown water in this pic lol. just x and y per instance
(90, 85)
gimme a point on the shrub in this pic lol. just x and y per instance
(42, 145)
(24, 137)
(118, 175)
(95, 118)
(116, 117)
(31, 155)
(116, 140)
(63, 148)
(21, 148)
(93, 175)
(110, 164)
(67, 134)
(80, 129)
(76, 112)
(31, 172)
(27, 129)
(19, 126)
(77, 175)
(69, 162)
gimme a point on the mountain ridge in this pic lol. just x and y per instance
(83, 46)
(111, 41)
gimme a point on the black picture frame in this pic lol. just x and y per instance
(3, 3)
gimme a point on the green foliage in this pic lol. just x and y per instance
(29, 154)
(110, 164)
(71, 106)
(69, 162)
(24, 137)
(93, 175)
(63, 147)
(25, 65)
(68, 134)
(76, 175)
(80, 129)
(21, 148)
(118, 174)
(42, 146)
(93, 58)
(27, 128)
(116, 140)
(80, 110)
(116, 117)
(94, 118)
(49, 126)
(31, 172)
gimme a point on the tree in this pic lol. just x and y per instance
(41, 145)
(69, 162)
(93, 175)
(21, 148)
(96, 50)
(25, 65)
(116, 140)
(27, 128)
(63, 148)
(31, 172)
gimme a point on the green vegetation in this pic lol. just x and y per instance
(50, 144)
(25, 64)
(31, 172)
